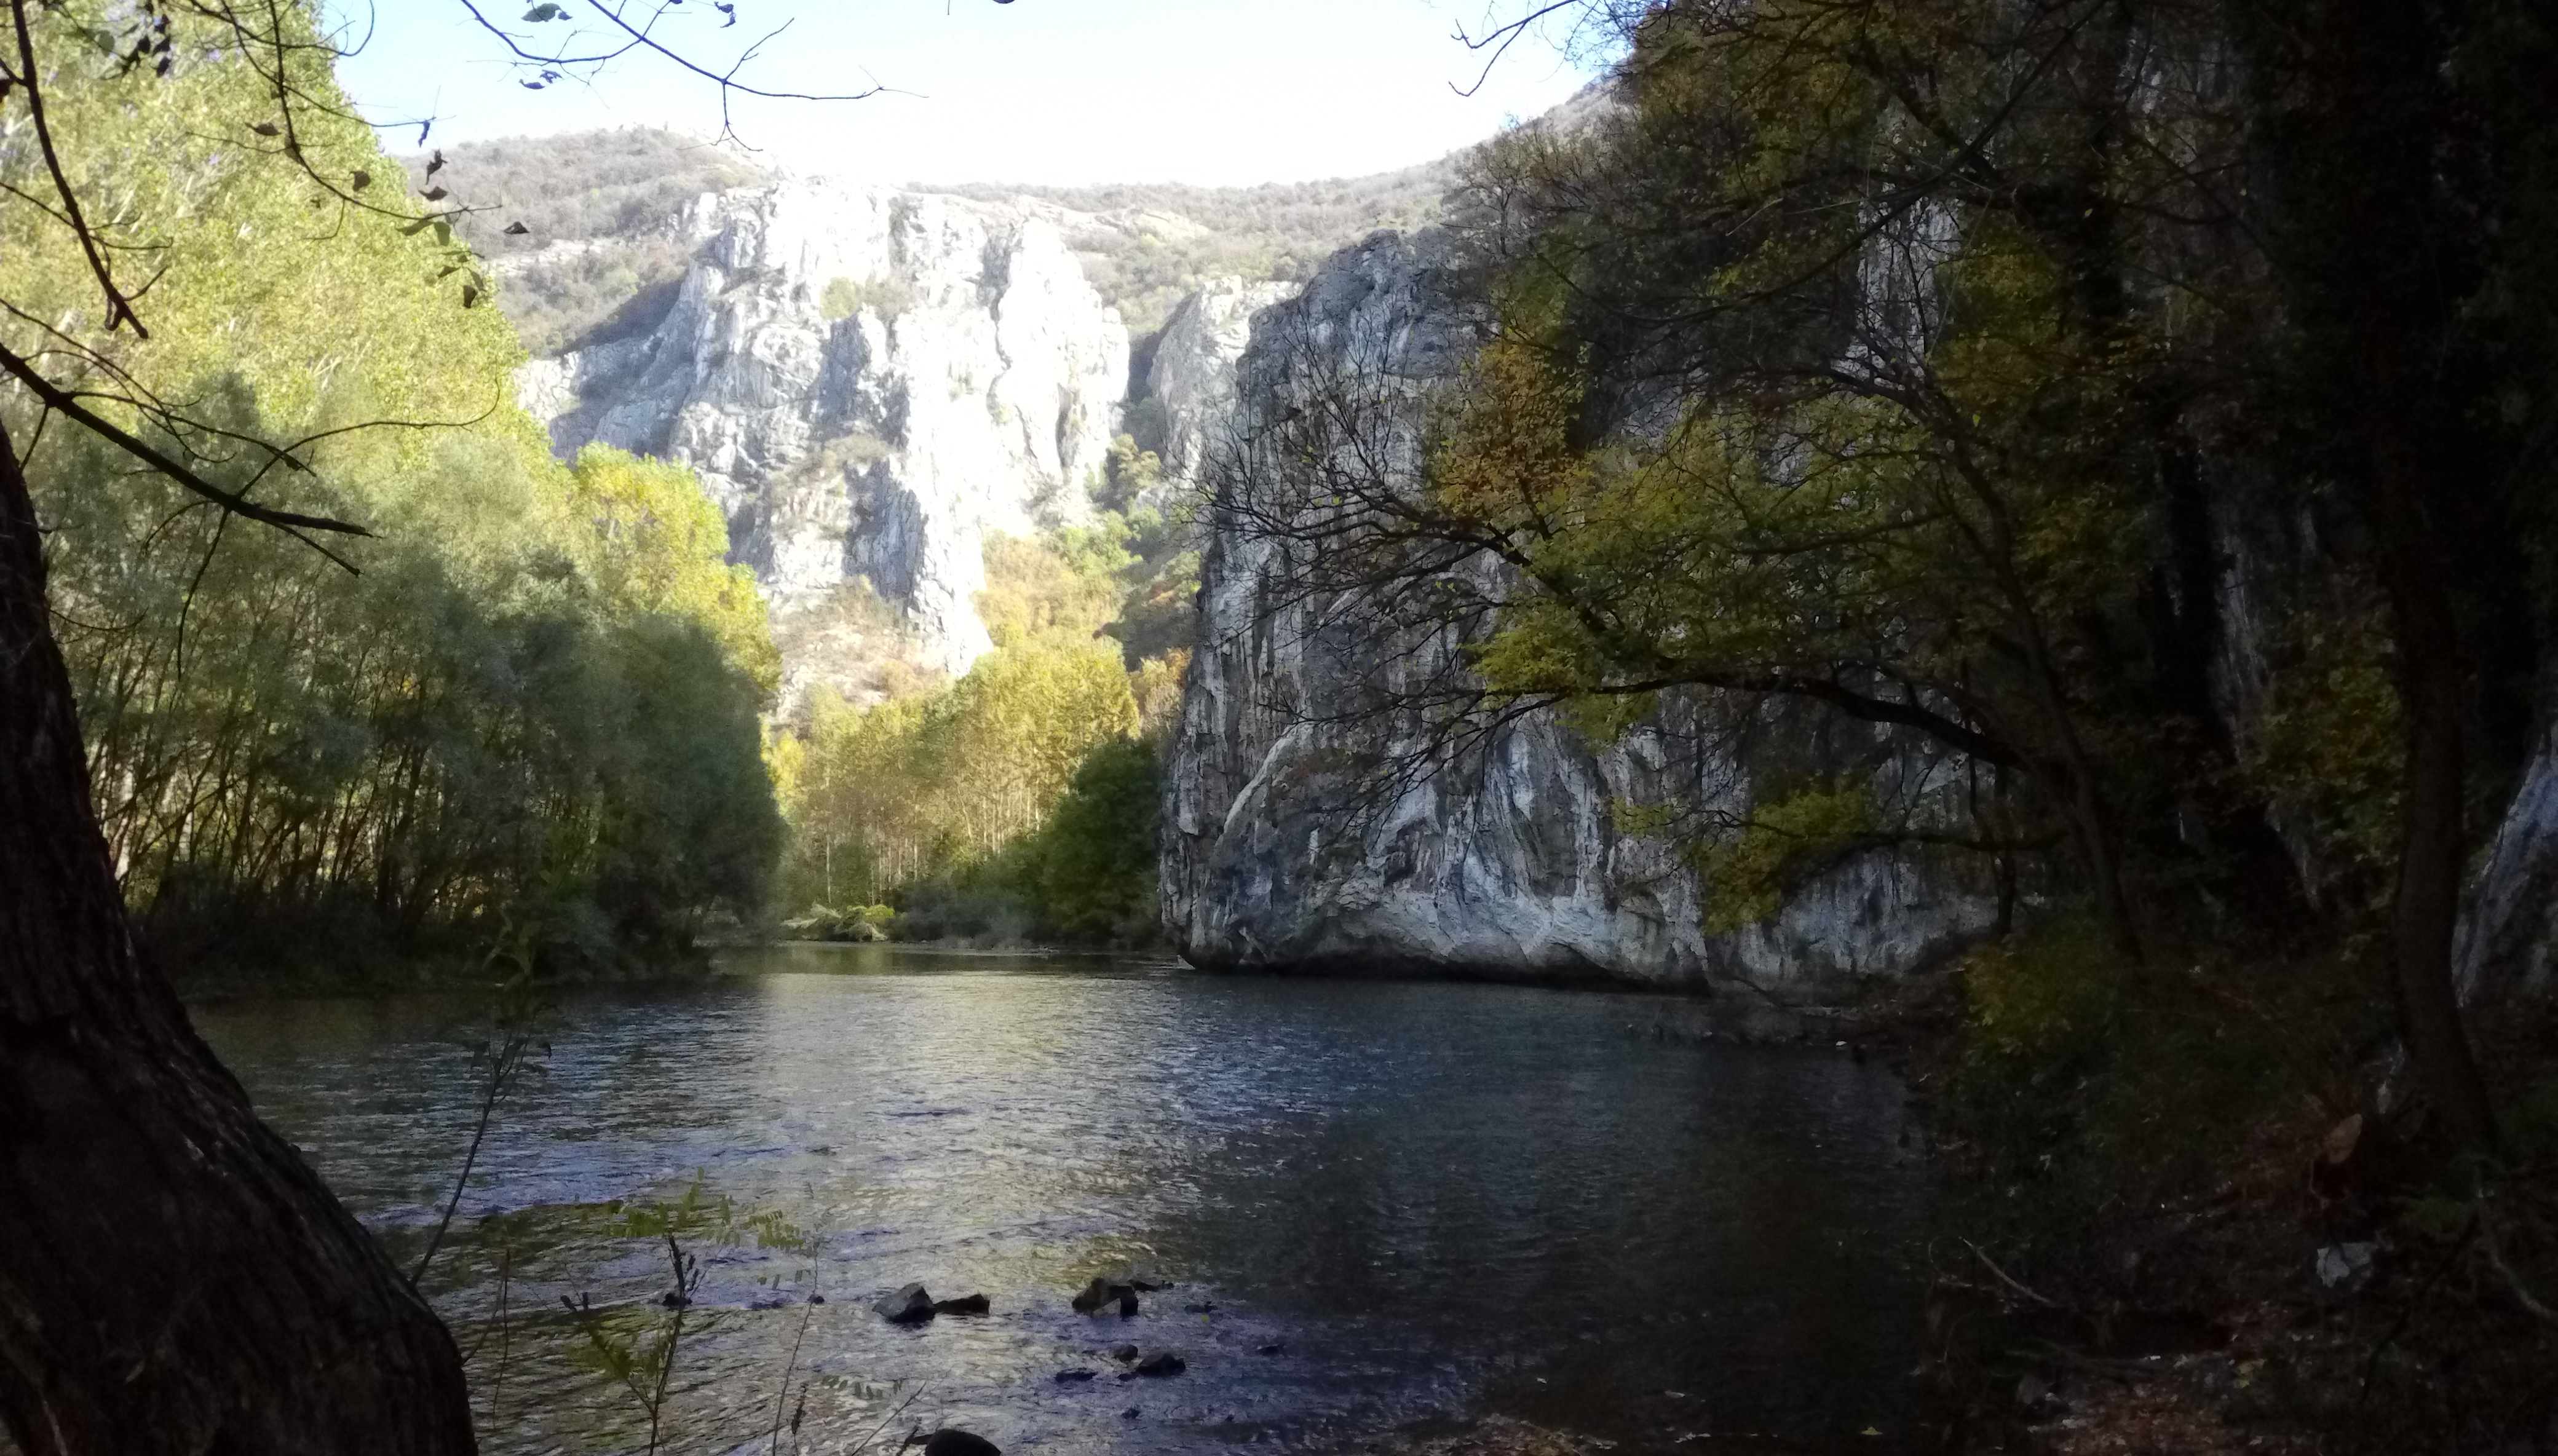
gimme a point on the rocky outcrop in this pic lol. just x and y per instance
(2509, 925)
(1193, 375)
(868, 382)
(1285, 845)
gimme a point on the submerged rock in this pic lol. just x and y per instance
(1071, 1376)
(1102, 1293)
(971, 1304)
(908, 1306)
(1161, 1363)
(948, 1442)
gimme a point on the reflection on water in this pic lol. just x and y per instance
(1436, 1200)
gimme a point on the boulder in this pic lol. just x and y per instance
(1102, 1293)
(959, 1443)
(908, 1306)
(972, 1304)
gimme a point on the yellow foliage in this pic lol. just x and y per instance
(914, 784)
(1157, 684)
(2031, 994)
(2328, 747)
(1034, 593)
(655, 543)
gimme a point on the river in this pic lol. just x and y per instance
(1379, 1206)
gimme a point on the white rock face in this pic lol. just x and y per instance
(2508, 931)
(1504, 861)
(973, 387)
(1194, 369)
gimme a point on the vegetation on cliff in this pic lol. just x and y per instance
(2127, 424)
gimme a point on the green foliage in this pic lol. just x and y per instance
(2042, 994)
(1749, 872)
(699, 1215)
(842, 298)
(533, 703)
(1090, 868)
(1128, 473)
(654, 544)
(617, 196)
(1019, 800)
(939, 783)
(2327, 748)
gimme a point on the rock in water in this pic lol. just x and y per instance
(1123, 1352)
(959, 1443)
(908, 1306)
(1071, 1376)
(1102, 1293)
(972, 1304)
(1161, 1363)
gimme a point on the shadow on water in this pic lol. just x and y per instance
(1435, 1201)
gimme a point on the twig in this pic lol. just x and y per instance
(2006, 1278)
(688, 1278)
(789, 1367)
(2522, 1294)
(894, 1411)
(2389, 1336)
(510, 1057)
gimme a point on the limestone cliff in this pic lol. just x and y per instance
(867, 382)
(1504, 858)
(1193, 375)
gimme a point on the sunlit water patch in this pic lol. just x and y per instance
(1377, 1203)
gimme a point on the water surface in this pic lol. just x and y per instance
(1437, 1200)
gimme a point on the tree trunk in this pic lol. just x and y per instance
(173, 1277)
(2380, 264)
(2425, 902)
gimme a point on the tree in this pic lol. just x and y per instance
(175, 1278)
(1951, 368)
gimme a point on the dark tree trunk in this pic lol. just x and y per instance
(173, 1277)
(2425, 902)
(2380, 263)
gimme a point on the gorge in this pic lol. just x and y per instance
(619, 758)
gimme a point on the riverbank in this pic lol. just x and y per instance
(2194, 1210)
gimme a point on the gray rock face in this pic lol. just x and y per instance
(1505, 860)
(867, 382)
(2509, 925)
(1194, 369)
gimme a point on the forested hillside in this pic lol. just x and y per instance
(1147, 245)
(596, 211)
(599, 209)
(523, 708)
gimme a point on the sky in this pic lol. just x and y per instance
(1219, 92)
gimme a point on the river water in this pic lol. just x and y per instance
(1436, 1202)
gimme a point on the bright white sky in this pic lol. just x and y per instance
(1214, 91)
